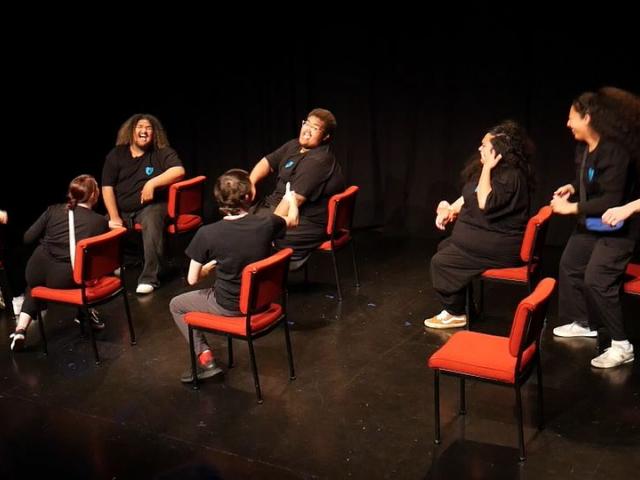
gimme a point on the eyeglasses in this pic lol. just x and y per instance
(312, 127)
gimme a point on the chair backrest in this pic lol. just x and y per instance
(264, 281)
(535, 235)
(529, 317)
(340, 210)
(98, 256)
(186, 197)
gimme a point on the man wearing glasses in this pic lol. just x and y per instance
(309, 165)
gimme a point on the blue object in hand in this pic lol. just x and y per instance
(595, 224)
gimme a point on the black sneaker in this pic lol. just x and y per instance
(18, 339)
(94, 319)
(203, 371)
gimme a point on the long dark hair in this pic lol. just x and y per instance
(511, 141)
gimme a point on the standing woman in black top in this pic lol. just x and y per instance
(607, 123)
(50, 264)
(491, 214)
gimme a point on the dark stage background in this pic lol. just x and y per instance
(411, 107)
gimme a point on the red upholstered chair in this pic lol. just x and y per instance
(96, 260)
(530, 254)
(632, 285)
(184, 206)
(501, 360)
(263, 296)
(339, 223)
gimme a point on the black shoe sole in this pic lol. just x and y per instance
(202, 375)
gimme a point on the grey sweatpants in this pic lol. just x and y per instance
(197, 301)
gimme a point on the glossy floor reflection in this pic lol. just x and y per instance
(361, 406)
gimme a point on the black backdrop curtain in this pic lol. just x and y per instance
(411, 108)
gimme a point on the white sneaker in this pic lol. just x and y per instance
(612, 357)
(445, 320)
(574, 330)
(117, 272)
(144, 288)
(17, 304)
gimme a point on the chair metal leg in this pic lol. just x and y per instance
(540, 397)
(192, 354)
(230, 350)
(335, 270)
(355, 264)
(520, 422)
(132, 333)
(463, 399)
(93, 341)
(287, 337)
(42, 335)
(436, 405)
(254, 368)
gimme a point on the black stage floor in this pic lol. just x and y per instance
(361, 406)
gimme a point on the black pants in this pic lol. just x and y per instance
(43, 270)
(153, 219)
(591, 275)
(304, 239)
(453, 269)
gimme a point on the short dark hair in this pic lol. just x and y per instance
(328, 119)
(233, 191)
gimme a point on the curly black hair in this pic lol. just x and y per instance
(511, 141)
(615, 116)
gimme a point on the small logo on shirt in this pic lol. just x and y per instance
(591, 173)
(289, 164)
(148, 171)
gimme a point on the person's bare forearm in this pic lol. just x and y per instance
(260, 171)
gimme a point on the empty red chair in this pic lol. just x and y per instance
(502, 360)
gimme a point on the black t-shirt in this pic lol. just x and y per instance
(234, 244)
(314, 174)
(495, 232)
(53, 226)
(128, 174)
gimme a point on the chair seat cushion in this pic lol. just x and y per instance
(479, 355)
(633, 269)
(514, 274)
(234, 325)
(340, 240)
(103, 288)
(185, 223)
(632, 286)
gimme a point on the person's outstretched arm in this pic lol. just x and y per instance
(615, 215)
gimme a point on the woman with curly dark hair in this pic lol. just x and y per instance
(607, 123)
(491, 214)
